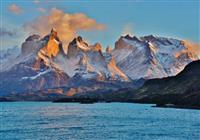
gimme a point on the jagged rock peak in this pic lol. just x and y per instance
(97, 47)
(53, 30)
(78, 39)
(53, 33)
(128, 42)
(108, 49)
(149, 37)
(53, 45)
(77, 45)
(131, 37)
(31, 44)
(34, 37)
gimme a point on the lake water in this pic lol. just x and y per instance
(100, 121)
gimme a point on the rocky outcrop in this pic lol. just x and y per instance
(76, 46)
(108, 49)
(182, 89)
(31, 44)
(51, 49)
(97, 47)
(34, 69)
(91, 62)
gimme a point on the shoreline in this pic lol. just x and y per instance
(96, 101)
(178, 107)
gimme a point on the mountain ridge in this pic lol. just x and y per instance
(43, 64)
(151, 57)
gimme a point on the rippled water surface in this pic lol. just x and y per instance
(101, 121)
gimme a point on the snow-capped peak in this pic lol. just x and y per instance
(77, 45)
(91, 63)
(151, 56)
(96, 47)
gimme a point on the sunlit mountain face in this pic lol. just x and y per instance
(43, 64)
(71, 51)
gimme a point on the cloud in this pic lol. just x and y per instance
(42, 10)
(4, 32)
(127, 29)
(15, 9)
(36, 1)
(66, 24)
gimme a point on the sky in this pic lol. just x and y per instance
(102, 21)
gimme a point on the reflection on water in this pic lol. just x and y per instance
(45, 120)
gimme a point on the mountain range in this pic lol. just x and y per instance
(43, 67)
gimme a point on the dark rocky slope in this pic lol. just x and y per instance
(180, 90)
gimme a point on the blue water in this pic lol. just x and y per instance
(101, 121)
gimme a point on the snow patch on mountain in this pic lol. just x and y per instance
(36, 76)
